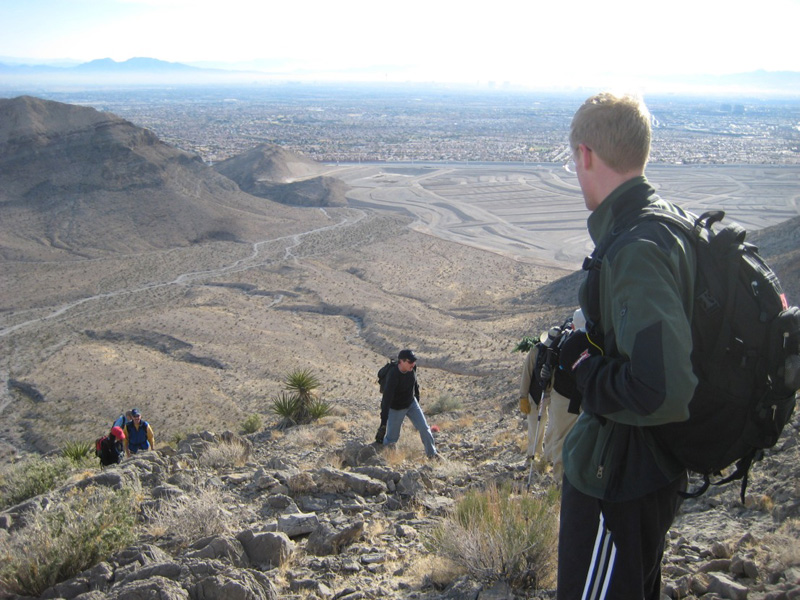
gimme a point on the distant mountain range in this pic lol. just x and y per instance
(150, 71)
(105, 71)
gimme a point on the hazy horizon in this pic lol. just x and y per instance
(616, 44)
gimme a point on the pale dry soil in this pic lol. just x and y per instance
(95, 339)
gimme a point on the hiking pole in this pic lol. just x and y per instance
(545, 397)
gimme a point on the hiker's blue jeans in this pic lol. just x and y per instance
(417, 417)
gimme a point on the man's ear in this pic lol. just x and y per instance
(586, 155)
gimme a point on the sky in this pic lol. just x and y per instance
(525, 42)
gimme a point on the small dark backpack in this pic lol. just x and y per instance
(745, 350)
(383, 371)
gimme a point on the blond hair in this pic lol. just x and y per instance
(616, 128)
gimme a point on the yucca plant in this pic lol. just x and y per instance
(77, 451)
(298, 403)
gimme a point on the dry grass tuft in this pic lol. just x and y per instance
(408, 448)
(226, 454)
(186, 518)
(436, 570)
(786, 541)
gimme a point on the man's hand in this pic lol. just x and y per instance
(525, 405)
(577, 348)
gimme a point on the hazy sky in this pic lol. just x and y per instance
(520, 41)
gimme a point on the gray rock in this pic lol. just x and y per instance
(385, 474)
(283, 503)
(726, 587)
(335, 480)
(297, 524)
(266, 550)
(156, 587)
(239, 586)
(223, 548)
(325, 540)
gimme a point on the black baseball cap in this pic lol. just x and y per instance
(407, 355)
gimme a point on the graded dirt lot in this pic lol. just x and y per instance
(536, 212)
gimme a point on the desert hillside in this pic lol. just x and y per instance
(268, 171)
(78, 183)
(157, 304)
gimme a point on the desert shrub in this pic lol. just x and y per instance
(298, 403)
(785, 543)
(76, 452)
(252, 424)
(189, 517)
(498, 533)
(57, 544)
(444, 403)
(231, 453)
(31, 478)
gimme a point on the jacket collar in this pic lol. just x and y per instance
(629, 197)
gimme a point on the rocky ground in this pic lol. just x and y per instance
(316, 511)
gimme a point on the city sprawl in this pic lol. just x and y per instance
(339, 123)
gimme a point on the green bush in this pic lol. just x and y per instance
(76, 452)
(67, 539)
(252, 424)
(500, 534)
(298, 403)
(31, 478)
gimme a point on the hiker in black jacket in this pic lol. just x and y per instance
(111, 449)
(632, 368)
(401, 399)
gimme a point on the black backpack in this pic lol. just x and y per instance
(745, 350)
(383, 371)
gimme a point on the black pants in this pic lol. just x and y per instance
(613, 550)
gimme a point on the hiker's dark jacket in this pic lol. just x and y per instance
(645, 376)
(110, 451)
(400, 389)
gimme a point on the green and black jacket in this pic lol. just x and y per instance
(644, 378)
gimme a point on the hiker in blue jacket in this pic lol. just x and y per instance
(632, 368)
(401, 398)
(139, 434)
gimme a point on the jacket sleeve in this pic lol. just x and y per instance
(389, 388)
(150, 437)
(645, 376)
